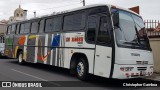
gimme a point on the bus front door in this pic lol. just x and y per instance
(103, 52)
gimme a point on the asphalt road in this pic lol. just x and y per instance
(10, 70)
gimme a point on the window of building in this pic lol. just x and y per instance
(34, 27)
(17, 15)
(74, 21)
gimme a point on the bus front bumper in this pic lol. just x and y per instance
(132, 71)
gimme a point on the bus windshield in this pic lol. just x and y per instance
(130, 30)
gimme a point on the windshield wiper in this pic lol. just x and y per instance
(138, 36)
(140, 41)
(132, 43)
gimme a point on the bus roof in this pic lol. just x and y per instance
(118, 7)
(96, 5)
(79, 8)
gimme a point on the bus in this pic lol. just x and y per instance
(103, 40)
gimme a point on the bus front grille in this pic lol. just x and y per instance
(142, 62)
(142, 68)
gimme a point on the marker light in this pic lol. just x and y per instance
(126, 68)
(127, 74)
(137, 74)
(151, 67)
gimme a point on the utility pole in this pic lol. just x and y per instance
(83, 1)
(34, 14)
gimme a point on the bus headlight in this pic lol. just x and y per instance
(151, 67)
(126, 68)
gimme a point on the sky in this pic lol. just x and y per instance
(149, 9)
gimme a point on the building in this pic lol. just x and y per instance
(19, 14)
(3, 28)
(158, 27)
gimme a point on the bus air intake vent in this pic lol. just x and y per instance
(142, 68)
(142, 62)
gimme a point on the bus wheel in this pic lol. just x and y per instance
(20, 58)
(82, 69)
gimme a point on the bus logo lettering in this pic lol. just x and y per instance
(68, 39)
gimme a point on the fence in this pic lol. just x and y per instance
(153, 28)
(153, 31)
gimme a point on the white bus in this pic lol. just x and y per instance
(102, 40)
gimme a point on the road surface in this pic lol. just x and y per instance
(10, 70)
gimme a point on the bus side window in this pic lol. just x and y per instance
(13, 29)
(74, 21)
(91, 32)
(34, 27)
(18, 26)
(41, 26)
(27, 28)
(103, 32)
(49, 25)
(22, 29)
(57, 24)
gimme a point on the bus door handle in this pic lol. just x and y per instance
(108, 57)
(97, 55)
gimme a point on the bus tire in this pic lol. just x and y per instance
(82, 69)
(20, 58)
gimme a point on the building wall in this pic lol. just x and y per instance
(3, 28)
(155, 45)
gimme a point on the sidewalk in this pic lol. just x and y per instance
(155, 76)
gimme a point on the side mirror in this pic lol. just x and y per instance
(116, 19)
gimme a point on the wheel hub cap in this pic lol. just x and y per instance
(80, 68)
